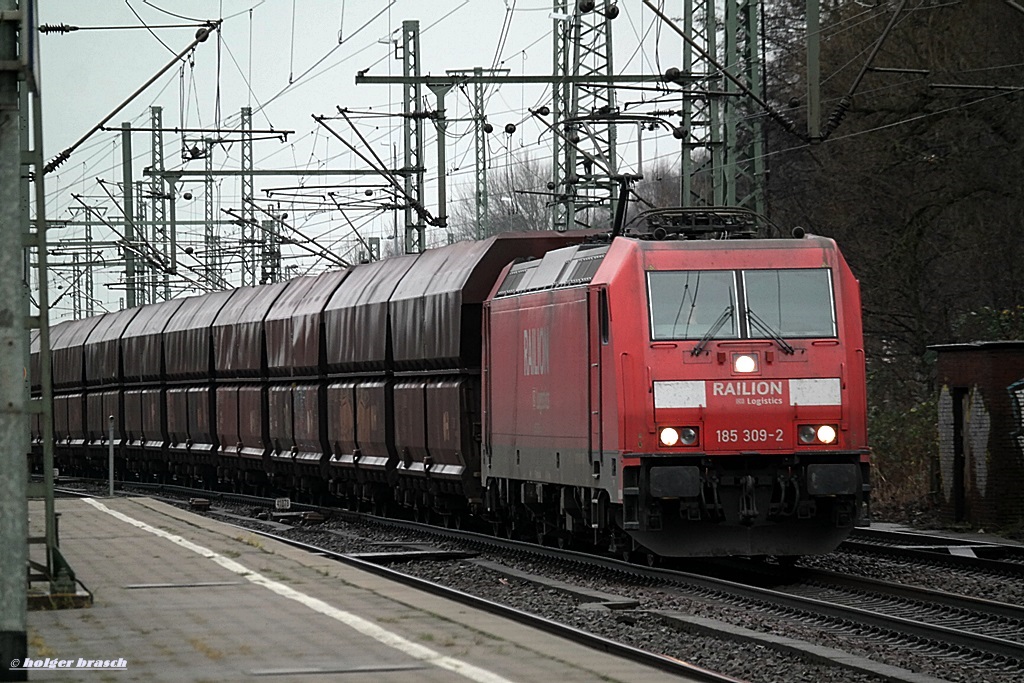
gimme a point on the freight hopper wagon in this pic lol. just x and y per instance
(678, 397)
(363, 382)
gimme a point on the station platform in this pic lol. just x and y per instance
(181, 597)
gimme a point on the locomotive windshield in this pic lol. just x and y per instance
(795, 303)
(694, 304)
(687, 304)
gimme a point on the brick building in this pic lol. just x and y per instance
(981, 433)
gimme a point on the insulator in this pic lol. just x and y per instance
(57, 28)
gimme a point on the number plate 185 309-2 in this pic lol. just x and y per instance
(772, 437)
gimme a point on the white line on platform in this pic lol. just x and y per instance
(368, 628)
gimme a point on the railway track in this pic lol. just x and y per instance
(982, 639)
(999, 558)
(964, 626)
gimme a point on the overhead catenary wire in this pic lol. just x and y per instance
(126, 244)
(201, 35)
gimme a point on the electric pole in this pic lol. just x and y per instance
(14, 422)
(249, 230)
(412, 133)
(158, 195)
(584, 167)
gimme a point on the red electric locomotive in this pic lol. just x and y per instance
(680, 397)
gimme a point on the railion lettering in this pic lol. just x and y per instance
(747, 388)
(536, 351)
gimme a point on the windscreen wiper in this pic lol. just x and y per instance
(712, 331)
(768, 330)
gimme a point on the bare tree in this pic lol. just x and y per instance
(518, 200)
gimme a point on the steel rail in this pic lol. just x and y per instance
(924, 548)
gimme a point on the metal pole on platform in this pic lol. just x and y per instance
(110, 456)
(14, 422)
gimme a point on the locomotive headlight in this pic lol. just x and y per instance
(677, 436)
(811, 434)
(743, 362)
(826, 433)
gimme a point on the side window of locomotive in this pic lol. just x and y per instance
(603, 316)
(688, 304)
(792, 302)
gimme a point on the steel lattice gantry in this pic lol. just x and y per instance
(412, 128)
(744, 132)
(158, 200)
(723, 149)
(585, 158)
(250, 228)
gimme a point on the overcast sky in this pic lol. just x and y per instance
(288, 60)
